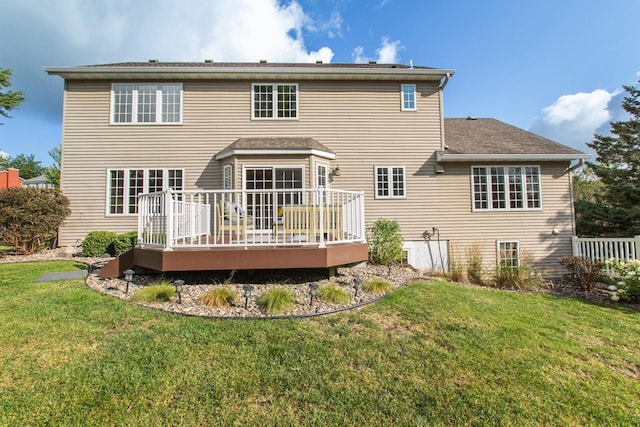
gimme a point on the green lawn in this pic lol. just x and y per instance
(432, 353)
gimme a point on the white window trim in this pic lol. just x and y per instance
(326, 167)
(415, 98)
(507, 207)
(274, 90)
(499, 242)
(134, 107)
(125, 208)
(390, 173)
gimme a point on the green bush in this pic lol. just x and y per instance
(30, 217)
(276, 300)
(333, 294)
(628, 288)
(376, 286)
(222, 297)
(581, 272)
(123, 243)
(385, 242)
(157, 292)
(97, 243)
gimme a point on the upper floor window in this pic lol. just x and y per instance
(390, 182)
(274, 101)
(506, 187)
(408, 97)
(124, 185)
(146, 103)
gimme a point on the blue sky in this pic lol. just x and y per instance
(555, 67)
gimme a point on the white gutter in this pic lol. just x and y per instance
(222, 72)
(275, 151)
(445, 157)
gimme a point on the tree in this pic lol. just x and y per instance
(52, 173)
(616, 209)
(8, 100)
(29, 167)
(30, 217)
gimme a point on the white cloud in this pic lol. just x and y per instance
(573, 119)
(4, 154)
(387, 53)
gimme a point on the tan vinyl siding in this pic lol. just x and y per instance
(361, 121)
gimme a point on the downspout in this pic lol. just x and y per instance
(441, 86)
(572, 200)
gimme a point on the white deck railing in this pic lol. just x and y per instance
(213, 218)
(603, 249)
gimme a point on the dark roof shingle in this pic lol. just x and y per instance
(491, 136)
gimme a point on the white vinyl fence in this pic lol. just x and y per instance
(603, 249)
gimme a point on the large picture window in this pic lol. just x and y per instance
(124, 185)
(390, 182)
(274, 101)
(146, 103)
(506, 187)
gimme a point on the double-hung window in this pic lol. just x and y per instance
(124, 185)
(390, 182)
(274, 101)
(506, 187)
(146, 103)
(408, 93)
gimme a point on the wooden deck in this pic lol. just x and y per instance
(237, 258)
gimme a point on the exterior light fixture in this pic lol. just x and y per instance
(128, 277)
(357, 281)
(178, 285)
(313, 292)
(247, 294)
(335, 172)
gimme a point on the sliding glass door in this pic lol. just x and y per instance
(263, 206)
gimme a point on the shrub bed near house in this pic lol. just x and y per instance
(97, 243)
(30, 217)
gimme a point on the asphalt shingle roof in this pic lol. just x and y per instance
(491, 136)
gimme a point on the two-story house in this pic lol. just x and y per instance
(259, 165)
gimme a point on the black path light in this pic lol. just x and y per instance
(247, 294)
(128, 277)
(178, 285)
(357, 282)
(313, 292)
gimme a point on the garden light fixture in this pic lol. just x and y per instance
(313, 292)
(357, 281)
(128, 277)
(247, 294)
(178, 284)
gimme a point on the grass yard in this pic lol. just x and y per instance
(432, 353)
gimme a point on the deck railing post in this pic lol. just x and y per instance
(636, 243)
(575, 246)
(168, 209)
(320, 197)
(363, 234)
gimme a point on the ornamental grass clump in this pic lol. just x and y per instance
(221, 297)
(628, 287)
(521, 277)
(157, 292)
(276, 300)
(333, 294)
(376, 286)
(474, 264)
